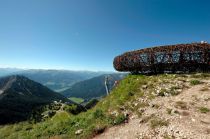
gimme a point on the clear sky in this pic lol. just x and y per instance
(88, 34)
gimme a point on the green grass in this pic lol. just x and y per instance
(96, 120)
(120, 119)
(204, 110)
(64, 124)
(195, 82)
(76, 100)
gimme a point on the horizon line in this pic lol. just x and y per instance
(57, 69)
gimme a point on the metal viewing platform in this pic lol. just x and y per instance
(194, 57)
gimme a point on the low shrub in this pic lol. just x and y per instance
(71, 109)
(204, 110)
(120, 119)
(195, 82)
(98, 114)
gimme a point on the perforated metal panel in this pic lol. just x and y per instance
(171, 58)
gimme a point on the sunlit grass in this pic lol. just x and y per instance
(97, 119)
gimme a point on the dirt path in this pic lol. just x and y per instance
(181, 111)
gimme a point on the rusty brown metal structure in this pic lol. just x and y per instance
(194, 57)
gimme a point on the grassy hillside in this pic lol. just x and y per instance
(112, 110)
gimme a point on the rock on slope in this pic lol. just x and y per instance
(19, 95)
(179, 108)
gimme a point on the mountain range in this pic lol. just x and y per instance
(94, 87)
(20, 95)
(8, 71)
(57, 80)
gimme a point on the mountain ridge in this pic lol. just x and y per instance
(56, 80)
(19, 95)
(94, 87)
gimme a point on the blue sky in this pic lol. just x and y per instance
(88, 34)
